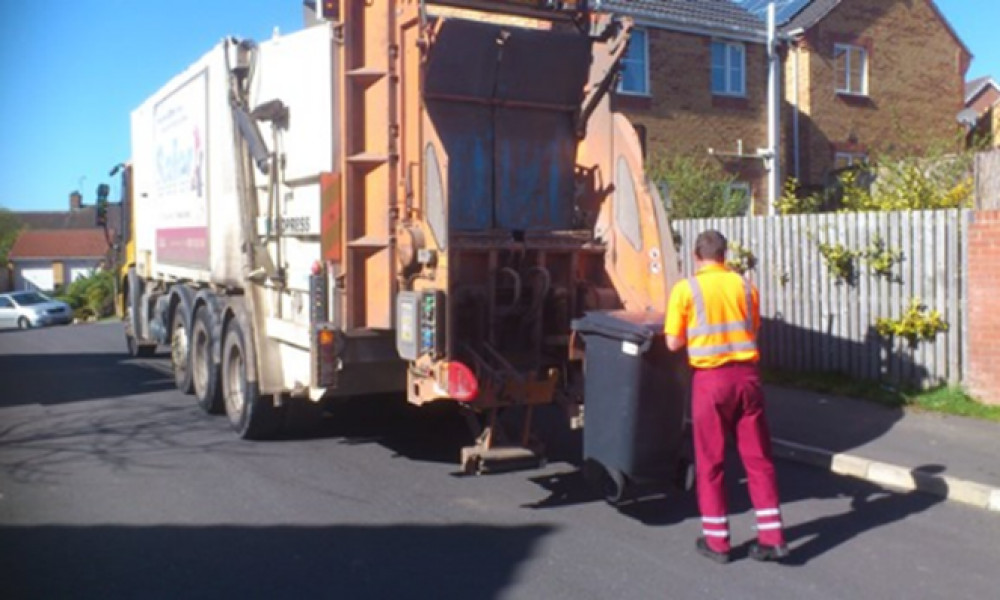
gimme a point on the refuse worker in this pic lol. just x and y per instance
(716, 314)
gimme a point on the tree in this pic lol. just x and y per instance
(10, 228)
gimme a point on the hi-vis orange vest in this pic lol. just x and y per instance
(718, 312)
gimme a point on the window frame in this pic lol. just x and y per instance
(643, 61)
(745, 190)
(842, 85)
(727, 68)
(851, 159)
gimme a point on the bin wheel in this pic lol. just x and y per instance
(684, 478)
(610, 483)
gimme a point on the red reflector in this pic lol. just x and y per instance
(462, 384)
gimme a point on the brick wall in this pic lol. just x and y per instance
(915, 85)
(681, 116)
(983, 379)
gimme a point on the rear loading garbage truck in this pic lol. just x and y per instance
(407, 196)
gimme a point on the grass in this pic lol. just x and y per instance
(950, 400)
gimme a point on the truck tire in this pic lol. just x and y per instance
(204, 370)
(180, 350)
(137, 350)
(134, 289)
(252, 416)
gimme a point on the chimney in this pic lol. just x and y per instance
(75, 201)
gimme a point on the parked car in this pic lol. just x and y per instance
(32, 309)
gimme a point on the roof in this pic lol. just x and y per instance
(722, 16)
(64, 243)
(783, 9)
(81, 218)
(976, 86)
(803, 14)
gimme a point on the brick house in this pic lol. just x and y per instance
(47, 259)
(868, 76)
(982, 100)
(859, 77)
(981, 94)
(694, 83)
(56, 247)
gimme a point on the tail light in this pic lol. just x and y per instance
(459, 381)
(326, 353)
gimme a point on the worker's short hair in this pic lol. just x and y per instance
(710, 245)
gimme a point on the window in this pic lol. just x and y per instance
(728, 69)
(635, 71)
(850, 65)
(738, 197)
(842, 160)
(627, 205)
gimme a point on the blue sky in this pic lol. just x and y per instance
(73, 71)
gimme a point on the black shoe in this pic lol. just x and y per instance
(702, 546)
(764, 553)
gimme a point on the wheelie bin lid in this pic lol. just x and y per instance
(627, 326)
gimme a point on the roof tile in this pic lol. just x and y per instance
(66, 243)
(716, 15)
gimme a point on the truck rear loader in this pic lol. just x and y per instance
(405, 196)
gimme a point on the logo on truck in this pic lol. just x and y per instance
(179, 132)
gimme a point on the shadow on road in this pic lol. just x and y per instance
(340, 561)
(50, 379)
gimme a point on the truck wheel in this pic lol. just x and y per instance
(137, 350)
(204, 371)
(180, 351)
(253, 416)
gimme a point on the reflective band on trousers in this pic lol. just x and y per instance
(704, 328)
(719, 534)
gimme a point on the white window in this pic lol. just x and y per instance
(842, 160)
(635, 65)
(850, 65)
(729, 69)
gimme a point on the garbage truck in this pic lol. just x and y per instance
(410, 196)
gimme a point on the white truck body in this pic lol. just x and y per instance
(186, 196)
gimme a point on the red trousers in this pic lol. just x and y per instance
(729, 399)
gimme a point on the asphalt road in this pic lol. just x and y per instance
(114, 485)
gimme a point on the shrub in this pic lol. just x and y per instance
(93, 295)
(794, 201)
(916, 324)
(697, 188)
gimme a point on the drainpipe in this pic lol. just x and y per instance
(795, 112)
(771, 159)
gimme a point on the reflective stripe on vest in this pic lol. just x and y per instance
(704, 328)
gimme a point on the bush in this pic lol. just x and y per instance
(697, 188)
(93, 295)
(794, 200)
(910, 184)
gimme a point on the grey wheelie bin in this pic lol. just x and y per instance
(635, 399)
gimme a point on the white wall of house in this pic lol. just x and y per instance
(37, 274)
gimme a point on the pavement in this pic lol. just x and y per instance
(955, 458)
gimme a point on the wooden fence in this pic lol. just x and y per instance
(987, 180)
(816, 321)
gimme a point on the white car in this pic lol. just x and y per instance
(32, 309)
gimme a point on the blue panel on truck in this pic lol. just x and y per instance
(534, 180)
(467, 135)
